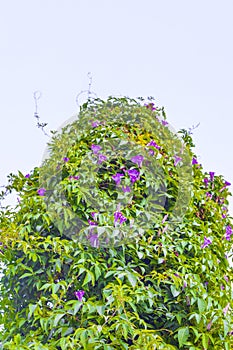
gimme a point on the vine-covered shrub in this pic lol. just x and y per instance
(120, 240)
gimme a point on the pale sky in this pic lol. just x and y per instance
(179, 51)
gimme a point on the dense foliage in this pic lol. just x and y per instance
(120, 240)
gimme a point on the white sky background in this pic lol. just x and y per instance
(178, 51)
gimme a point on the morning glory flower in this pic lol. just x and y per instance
(95, 148)
(119, 216)
(27, 176)
(177, 160)
(225, 310)
(209, 325)
(79, 294)
(194, 161)
(41, 191)
(74, 177)
(150, 106)
(66, 159)
(211, 173)
(151, 152)
(101, 158)
(93, 214)
(207, 241)
(133, 174)
(95, 124)
(117, 178)
(137, 160)
(126, 189)
(94, 241)
(228, 232)
(92, 223)
(226, 278)
(225, 185)
(152, 143)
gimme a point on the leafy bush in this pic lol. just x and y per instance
(120, 240)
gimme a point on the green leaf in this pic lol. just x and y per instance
(201, 305)
(57, 319)
(183, 334)
(132, 279)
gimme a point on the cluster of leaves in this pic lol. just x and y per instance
(167, 286)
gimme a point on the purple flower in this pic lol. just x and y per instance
(209, 325)
(92, 223)
(119, 216)
(225, 185)
(164, 122)
(94, 241)
(150, 106)
(101, 158)
(207, 241)
(222, 287)
(194, 161)
(228, 232)
(211, 173)
(208, 195)
(126, 189)
(41, 191)
(74, 177)
(226, 278)
(177, 160)
(133, 174)
(66, 159)
(206, 181)
(225, 310)
(151, 152)
(95, 124)
(153, 144)
(93, 214)
(95, 148)
(27, 176)
(79, 294)
(137, 160)
(117, 178)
